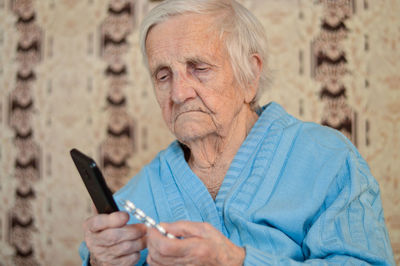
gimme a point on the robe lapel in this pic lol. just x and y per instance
(185, 185)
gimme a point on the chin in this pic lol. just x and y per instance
(190, 128)
(188, 137)
(190, 134)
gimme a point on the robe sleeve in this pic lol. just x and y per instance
(349, 228)
(84, 254)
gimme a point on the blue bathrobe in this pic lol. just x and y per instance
(295, 193)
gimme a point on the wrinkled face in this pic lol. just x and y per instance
(193, 78)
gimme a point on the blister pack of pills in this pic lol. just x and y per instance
(142, 217)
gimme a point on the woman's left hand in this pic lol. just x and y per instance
(202, 244)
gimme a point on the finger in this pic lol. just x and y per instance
(191, 251)
(165, 246)
(113, 236)
(159, 243)
(153, 260)
(187, 229)
(103, 221)
(130, 259)
(127, 247)
(156, 258)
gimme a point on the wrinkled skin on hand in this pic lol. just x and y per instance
(111, 241)
(202, 244)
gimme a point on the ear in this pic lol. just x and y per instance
(256, 64)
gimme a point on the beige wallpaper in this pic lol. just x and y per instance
(71, 76)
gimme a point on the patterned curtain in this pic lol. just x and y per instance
(71, 76)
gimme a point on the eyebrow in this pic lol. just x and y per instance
(193, 60)
(199, 60)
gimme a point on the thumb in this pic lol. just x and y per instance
(186, 229)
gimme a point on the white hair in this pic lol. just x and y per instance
(244, 34)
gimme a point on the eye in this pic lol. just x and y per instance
(162, 75)
(201, 69)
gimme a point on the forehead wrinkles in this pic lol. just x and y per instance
(184, 36)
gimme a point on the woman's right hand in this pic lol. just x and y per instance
(111, 241)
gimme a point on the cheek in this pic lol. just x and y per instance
(223, 99)
(166, 110)
(221, 92)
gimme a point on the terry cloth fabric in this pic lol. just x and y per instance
(295, 193)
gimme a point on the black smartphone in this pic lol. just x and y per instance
(94, 181)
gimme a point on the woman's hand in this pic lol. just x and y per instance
(202, 244)
(111, 241)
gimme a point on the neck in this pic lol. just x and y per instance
(211, 156)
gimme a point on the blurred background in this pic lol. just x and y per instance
(71, 76)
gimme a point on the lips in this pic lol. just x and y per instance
(189, 110)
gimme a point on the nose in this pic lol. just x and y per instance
(183, 88)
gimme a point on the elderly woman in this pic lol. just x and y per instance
(242, 184)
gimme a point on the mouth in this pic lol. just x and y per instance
(189, 111)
